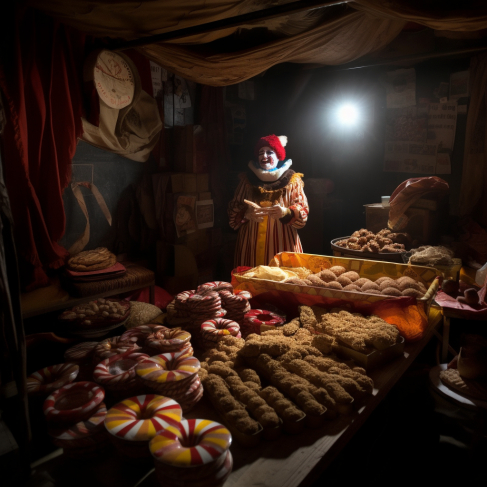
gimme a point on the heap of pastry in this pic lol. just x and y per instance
(99, 313)
(339, 279)
(305, 378)
(383, 241)
(362, 333)
(91, 260)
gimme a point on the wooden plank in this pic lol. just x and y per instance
(288, 461)
(76, 301)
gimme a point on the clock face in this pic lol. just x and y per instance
(114, 80)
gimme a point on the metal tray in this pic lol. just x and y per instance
(387, 256)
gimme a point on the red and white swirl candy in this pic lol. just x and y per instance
(257, 317)
(73, 403)
(243, 294)
(168, 340)
(80, 353)
(214, 286)
(118, 372)
(235, 304)
(45, 381)
(188, 399)
(84, 433)
(139, 334)
(215, 330)
(112, 346)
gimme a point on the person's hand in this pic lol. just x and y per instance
(276, 211)
(255, 214)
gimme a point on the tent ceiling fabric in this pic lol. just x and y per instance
(328, 36)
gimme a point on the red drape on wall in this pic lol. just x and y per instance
(40, 82)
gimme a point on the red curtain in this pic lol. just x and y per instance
(40, 71)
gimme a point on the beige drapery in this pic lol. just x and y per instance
(328, 36)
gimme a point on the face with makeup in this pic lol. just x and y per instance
(267, 158)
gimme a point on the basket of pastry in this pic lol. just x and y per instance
(363, 283)
(97, 317)
(288, 378)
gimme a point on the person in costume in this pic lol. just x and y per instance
(277, 206)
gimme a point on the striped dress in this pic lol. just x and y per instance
(258, 243)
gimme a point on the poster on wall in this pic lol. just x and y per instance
(401, 88)
(204, 214)
(406, 147)
(184, 214)
(410, 157)
(442, 122)
(459, 85)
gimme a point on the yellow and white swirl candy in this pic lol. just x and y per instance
(140, 418)
(209, 442)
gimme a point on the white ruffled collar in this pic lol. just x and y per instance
(268, 176)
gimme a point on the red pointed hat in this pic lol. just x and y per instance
(276, 143)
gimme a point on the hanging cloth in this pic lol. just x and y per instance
(82, 241)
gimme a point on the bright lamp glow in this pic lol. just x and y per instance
(348, 114)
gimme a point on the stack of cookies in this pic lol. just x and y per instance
(91, 260)
(94, 265)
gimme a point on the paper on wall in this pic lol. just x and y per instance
(442, 121)
(410, 157)
(156, 74)
(204, 214)
(443, 164)
(401, 88)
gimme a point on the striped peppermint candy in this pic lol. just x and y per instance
(45, 381)
(243, 294)
(210, 441)
(83, 433)
(181, 298)
(257, 317)
(168, 368)
(139, 333)
(117, 371)
(168, 340)
(218, 328)
(73, 402)
(140, 418)
(80, 353)
(214, 286)
(112, 346)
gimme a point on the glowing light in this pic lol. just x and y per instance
(348, 114)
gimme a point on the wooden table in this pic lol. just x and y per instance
(289, 461)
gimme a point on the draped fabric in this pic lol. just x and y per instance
(39, 81)
(474, 174)
(328, 36)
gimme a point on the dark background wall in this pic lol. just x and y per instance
(298, 103)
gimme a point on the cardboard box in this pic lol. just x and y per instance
(376, 217)
(204, 196)
(202, 182)
(422, 224)
(190, 183)
(190, 149)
